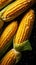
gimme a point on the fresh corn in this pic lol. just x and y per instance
(3, 3)
(11, 58)
(1, 23)
(24, 28)
(15, 9)
(6, 37)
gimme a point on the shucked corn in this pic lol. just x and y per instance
(11, 58)
(6, 37)
(15, 9)
(24, 28)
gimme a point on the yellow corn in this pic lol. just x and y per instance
(1, 23)
(11, 58)
(7, 34)
(24, 28)
(15, 9)
(3, 3)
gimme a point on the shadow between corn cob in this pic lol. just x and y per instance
(24, 30)
(15, 9)
(11, 58)
(1, 23)
(6, 37)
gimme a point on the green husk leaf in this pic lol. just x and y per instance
(23, 46)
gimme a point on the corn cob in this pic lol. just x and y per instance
(1, 23)
(6, 37)
(3, 3)
(11, 58)
(24, 28)
(15, 9)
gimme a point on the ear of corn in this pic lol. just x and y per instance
(3, 3)
(25, 26)
(4, 50)
(7, 35)
(24, 29)
(19, 6)
(11, 57)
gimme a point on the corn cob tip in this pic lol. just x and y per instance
(18, 55)
(11, 58)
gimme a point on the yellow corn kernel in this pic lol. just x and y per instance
(3, 3)
(12, 57)
(15, 9)
(25, 27)
(7, 34)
